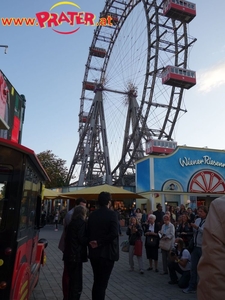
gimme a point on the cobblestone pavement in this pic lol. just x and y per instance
(123, 285)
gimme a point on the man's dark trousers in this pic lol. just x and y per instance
(102, 269)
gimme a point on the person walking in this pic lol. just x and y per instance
(118, 213)
(56, 220)
(198, 228)
(61, 246)
(43, 217)
(75, 252)
(103, 245)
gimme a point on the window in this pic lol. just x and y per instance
(29, 200)
(5, 178)
(24, 212)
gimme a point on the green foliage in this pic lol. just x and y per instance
(55, 168)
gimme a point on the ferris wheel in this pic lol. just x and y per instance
(123, 101)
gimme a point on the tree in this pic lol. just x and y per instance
(55, 168)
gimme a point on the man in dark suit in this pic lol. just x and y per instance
(103, 245)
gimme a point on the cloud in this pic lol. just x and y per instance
(211, 78)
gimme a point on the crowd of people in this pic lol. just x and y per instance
(176, 234)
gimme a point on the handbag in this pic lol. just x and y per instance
(138, 248)
(151, 241)
(165, 244)
(125, 246)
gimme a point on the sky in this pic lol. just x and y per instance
(48, 68)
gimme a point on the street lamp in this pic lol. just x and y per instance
(6, 47)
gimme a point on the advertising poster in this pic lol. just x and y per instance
(12, 108)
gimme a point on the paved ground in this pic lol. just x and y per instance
(123, 285)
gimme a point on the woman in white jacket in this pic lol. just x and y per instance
(168, 236)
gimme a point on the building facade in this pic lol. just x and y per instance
(189, 176)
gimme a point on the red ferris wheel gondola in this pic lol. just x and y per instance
(179, 10)
(179, 77)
